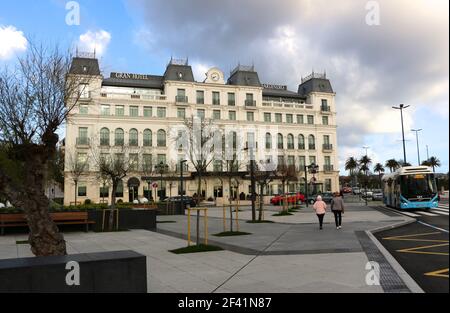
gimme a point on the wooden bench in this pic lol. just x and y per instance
(60, 218)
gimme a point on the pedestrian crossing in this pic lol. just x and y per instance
(441, 210)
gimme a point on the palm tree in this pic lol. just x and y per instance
(392, 164)
(364, 163)
(379, 168)
(433, 162)
(351, 165)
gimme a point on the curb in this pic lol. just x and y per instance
(407, 279)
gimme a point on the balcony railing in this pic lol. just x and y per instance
(231, 103)
(328, 168)
(250, 103)
(116, 95)
(200, 100)
(325, 108)
(327, 146)
(83, 141)
(181, 99)
(312, 147)
(301, 147)
(104, 142)
(133, 142)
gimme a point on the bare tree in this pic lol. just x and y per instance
(264, 174)
(286, 173)
(198, 145)
(115, 164)
(76, 167)
(35, 99)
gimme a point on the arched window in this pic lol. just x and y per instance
(311, 142)
(147, 137)
(104, 136)
(290, 141)
(301, 142)
(268, 141)
(118, 137)
(280, 141)
(161, 138)
(133, 137)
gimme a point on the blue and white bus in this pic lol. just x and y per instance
(410, 187)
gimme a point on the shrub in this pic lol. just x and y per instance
(87, 201)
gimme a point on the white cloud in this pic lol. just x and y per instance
(94, 41)
(11, 41)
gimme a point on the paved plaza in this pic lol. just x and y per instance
(290, 255)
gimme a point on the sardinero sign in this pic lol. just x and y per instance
(129, 76)
(272, 86)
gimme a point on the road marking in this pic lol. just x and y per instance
(411, 235)
(432, 226)
(410, 214)
(439, 212)
(426, 213)
(438, 273)
(443, 205)
(441, 209)
(415, 249)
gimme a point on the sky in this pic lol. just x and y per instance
(377, 54)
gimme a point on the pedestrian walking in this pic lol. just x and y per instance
(320, 207)
(337, 207)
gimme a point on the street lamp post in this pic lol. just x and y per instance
(366, 172)
(417, 143)
(401, 107)
(181, 183)
(313, 168)
(161, 168)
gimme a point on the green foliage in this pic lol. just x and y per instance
(87, 201)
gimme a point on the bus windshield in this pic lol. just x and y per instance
(418, 185)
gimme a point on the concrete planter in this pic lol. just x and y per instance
(128, 219)
(117, 271)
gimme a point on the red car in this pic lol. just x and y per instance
(347, 190)
(290, 198)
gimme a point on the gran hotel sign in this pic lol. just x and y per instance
(129, 76)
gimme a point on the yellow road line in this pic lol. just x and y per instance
(414, 249)
(438, 273)
(408, 236)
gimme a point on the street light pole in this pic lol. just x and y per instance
(252, 183)
(306, 185)
(401, 107)
(366, 172)
(181, 183)
(417, 142)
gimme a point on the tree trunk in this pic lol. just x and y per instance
(261, 200)
(44, 237)
(230, 202)
(76, 192)
(113, 206)
(199, 187)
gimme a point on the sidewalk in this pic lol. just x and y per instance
(278, 257)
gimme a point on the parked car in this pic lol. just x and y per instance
(356, 191)
(366, 193)
(186, 199)
(347, 190)
(291, 197)
(377, 195)
(326, 197)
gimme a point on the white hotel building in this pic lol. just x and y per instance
(141, 110)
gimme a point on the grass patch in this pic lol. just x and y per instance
(293, 210)
(282, 213)
(258, 222)
(196, 249)
(231, 233)
(22, 242)
(158, 222)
